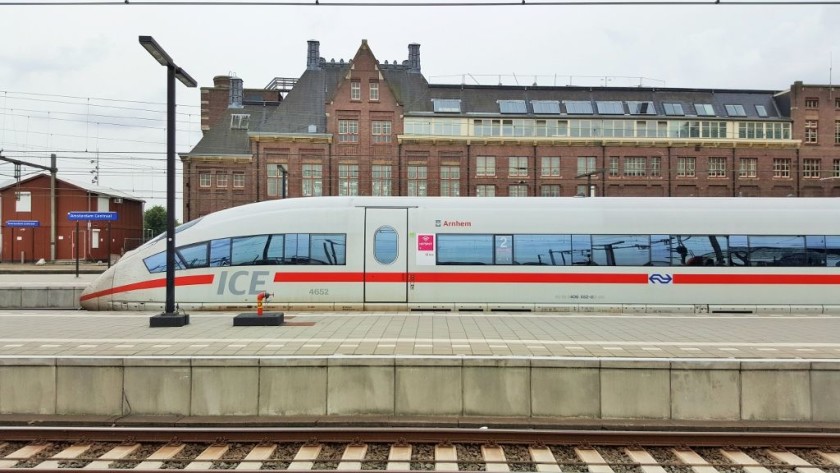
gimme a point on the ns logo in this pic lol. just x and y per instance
(657, 278)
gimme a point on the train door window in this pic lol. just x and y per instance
(832, 250)
(504, 249)
(465, 249)
(621, 250)
(552, 250)
(739, 250)
(274, 252)
(385, 245)
(582, 250)
(787, 250)
(220, 252)
(815, 251)
(327, 249)
(660, 250)
(194, 256)
(248, 250)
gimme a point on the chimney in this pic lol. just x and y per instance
(414, 57)
(235, 93)
(313, 56)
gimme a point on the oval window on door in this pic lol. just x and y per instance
(385, 245)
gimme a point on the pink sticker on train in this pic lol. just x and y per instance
(425, 243)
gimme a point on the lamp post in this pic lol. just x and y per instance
(169, 317)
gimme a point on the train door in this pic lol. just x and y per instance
(386, 261)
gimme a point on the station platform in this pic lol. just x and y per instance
(536, 367)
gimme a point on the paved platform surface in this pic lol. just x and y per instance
(63, 333)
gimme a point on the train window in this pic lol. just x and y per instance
(157, 263)
(220, 252)
(248, 250)
(385, 245)
(553, 250)
(660, 250)
(465, 249)
(274, 251)
(621, 250)
(327, 249)
(296, 248)
(832, 250)
(786, 250)
(815, 251)
(700, 250)
(194, 256)
(739, 250)
(503, 249)
(582, 250)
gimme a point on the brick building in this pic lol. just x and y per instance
(26, 210)
(364, 127)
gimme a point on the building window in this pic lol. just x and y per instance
(374, 91)
(239, 121)
(748, 167)
(811, 168)
(686, 167)
(634, 166)
(381, 180)
(485, 166)
(717, 167)
(517, 166)
(23, 202)
(348, 179)
(781, 167)
(355, 90)
(518, 190)
(450, 181)
(811, 131)
(381, 131)
(312, 180)
(551, 190)
(582, 190)
(222, 181)
(614, 166)
(656, 166)
(274, 180)
(837, 132)
(348, 131)
(205, 179)
(485, 191)
(585, 164)
(812, 102)
(417, 181)
(239, 180)
(836, 167)
(837, 103)
(550, 166)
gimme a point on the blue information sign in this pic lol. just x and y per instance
(23, 223)
(110, 216)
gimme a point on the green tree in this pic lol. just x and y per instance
(154, 220)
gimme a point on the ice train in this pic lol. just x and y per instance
(539, 254)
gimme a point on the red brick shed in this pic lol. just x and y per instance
(25, 218)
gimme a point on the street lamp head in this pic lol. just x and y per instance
(185, 78)
(156, 51)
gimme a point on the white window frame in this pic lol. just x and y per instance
(686, 166)
(205, 180)
(380, 180)
(355, 90)
(485, 166)
(374, 91)
(380, 130)
(450, 181)
(811, 168)
(518, 190)
(348, 131)
(239, 180)
(717, 166)
(518, 166)
(221, 180)
(748, 168)
(781, 168)
(550, 190)
(23, 201)
(485, 190)
(312, 184)
(812, 131)
(417, 182)
(550, 166)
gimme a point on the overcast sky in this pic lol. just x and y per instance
(74, 79)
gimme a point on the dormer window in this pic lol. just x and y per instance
(641, 108)
(673, 109)
(374, 91)
(736, 111)
(610, 107)
(447, 105)
(512, 106)
(578, 107)
(355, 90)
(704, 109)
(239, 121)
(551, 107)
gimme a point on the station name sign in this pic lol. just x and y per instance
(23, 223)
(75, 216)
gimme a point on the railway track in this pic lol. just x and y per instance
(449, 450)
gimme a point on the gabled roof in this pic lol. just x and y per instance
(101, 190)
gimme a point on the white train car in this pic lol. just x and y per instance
(544, 254)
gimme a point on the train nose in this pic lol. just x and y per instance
(97, 296)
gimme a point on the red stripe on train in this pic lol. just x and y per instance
(756, 279)
(319, 277)
(593, 278)
(152, 284)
